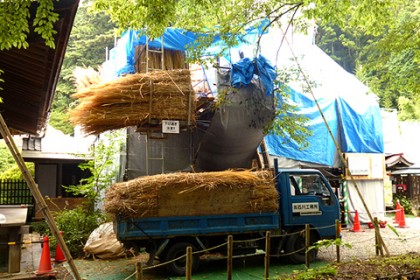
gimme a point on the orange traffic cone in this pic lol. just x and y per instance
(59, 256)
(356, 224)
(397, 213)
(45, 261)
(401, 222)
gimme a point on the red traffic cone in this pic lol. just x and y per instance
(356, 224)
(59, 256)
(45, 261)
(401, 222)
(397, 213)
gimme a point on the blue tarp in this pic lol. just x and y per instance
(356, 132)
(123, 56)
(244, 70)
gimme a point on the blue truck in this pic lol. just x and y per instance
(305, 197)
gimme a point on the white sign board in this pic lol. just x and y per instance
(306, 208)
(359, 164)
(169, 126)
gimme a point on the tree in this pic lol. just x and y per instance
(388, 63)
(228, 18)
(90, 36)
(16, 24)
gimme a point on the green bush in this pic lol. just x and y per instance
(76, 225)
(404, 202)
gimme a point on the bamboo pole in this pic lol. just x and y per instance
(337, 235)
(188, 264)
(307, 244)
(340, 154)
(267, 255)
(8, 139)
(139, 271)
(229, 257)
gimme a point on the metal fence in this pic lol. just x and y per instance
(17, 192)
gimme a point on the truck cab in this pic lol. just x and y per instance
(305, 197)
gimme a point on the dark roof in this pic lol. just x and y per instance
(31, 74)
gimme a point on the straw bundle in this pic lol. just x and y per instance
(135, 99)
(192, 194)
(172, 59)
(85, 77)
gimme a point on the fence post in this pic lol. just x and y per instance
(139, 271)
(337, 236)
(229, 257)
(307, 244)
(267, 255)
(375, 224)
(188, 263)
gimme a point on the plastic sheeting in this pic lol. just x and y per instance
(244, 70)
(352, 114)
(122, 57)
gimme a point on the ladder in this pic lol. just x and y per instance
(156, 157)
(158, 51)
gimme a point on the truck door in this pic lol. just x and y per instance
(310, 200)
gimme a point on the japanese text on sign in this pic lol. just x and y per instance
(169, 126)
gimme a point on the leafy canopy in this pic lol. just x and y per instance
(15, 23)
(228, 18)
(388, 62)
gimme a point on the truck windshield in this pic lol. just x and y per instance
(311, 184)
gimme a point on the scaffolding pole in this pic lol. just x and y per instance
(5, 132)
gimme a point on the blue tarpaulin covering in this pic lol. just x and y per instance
(351, 110)
(123, 56)
(355, 132)
(244, 70)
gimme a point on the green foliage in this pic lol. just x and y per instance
(76, 225)
(15, 19)
(230, 19)
(324, 272)
(90, 36)
(288, 123)
(404, 202)
(7, 158)
(408, 109)
(14, 172)
(387, 62)
(102, 168)
(59, 120)
(325, 243)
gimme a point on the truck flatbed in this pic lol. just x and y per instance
(164, 227)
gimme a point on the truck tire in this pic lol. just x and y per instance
(175, 251)
(295, 248)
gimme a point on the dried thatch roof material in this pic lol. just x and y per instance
(173, 59)
(192, 194)
(85, 77)
(135, 99)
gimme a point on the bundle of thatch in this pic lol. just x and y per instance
(134, 100)
(172, 59)
(85, 77)
(194, 194)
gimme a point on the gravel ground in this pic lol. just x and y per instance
(363, 242)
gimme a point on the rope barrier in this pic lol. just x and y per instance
(207, 250)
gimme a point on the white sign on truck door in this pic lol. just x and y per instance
(307, 208)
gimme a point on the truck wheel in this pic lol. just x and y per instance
(177, 250)
(295, 246)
